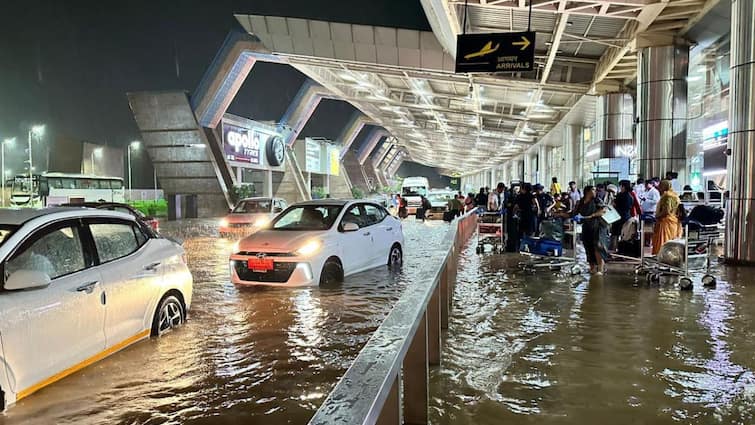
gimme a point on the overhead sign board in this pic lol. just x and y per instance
(496, 52)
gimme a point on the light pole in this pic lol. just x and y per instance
(97, 152)
(35, 130)
(133, 145)
(2, 149)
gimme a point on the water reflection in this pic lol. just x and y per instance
(550, 349)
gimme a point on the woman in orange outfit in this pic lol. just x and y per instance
(667, 226)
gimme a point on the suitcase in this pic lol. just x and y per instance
(544, 247)
(630, 248)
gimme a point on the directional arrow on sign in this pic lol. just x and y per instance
(525, 43)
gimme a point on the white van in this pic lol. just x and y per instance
(411, 190)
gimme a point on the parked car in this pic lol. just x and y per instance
(318, 242)
(79, 284)
(250, 213)
(124, 208)
(439, 201)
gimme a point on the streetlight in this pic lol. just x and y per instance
(2, 149)
(135, 146)
(36, 130)
(95, 152)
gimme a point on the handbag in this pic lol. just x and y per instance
(611, 216)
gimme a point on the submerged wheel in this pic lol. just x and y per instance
(395, 257)
(169, 315)
(709, 281)
(685, 284)
(332, 272)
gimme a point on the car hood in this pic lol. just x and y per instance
(278, 240)
(246, 218)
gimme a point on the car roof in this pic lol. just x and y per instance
(336, 202)
(258, 198)
(22, 215)
(91, 204)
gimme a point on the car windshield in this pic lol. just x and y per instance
(252, 207)
(414, 191)
(439, 197)
(5, 231)
(307, 217)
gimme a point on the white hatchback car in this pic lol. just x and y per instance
(318, 242)
(250, 213)
(77, 286)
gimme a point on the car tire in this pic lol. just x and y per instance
(395, 256)
(169, 315)
(332, 272)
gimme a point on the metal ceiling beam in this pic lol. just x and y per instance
(709, 5)
(621, 9)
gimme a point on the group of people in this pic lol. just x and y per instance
(527, 206)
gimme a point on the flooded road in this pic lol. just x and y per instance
(267, 356)
(546, 349)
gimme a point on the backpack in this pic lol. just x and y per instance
(681, 212)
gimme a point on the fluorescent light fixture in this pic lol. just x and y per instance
(719, 172)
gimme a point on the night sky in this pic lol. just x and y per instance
(68, 64)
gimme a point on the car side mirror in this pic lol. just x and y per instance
(350, 227)
(277, 210)
(27, 279)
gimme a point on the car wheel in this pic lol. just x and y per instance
(395, 257)
(332, 272)
(168, 316)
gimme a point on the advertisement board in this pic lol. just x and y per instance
(312, 153)
(334, 160)
(243, 144)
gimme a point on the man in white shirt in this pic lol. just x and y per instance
(651, 198)
(674, 179)
(496, 198)
(639, 188)
(574, 193)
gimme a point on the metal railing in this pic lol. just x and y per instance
(388, 383)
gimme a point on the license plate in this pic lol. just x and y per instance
(260, 264)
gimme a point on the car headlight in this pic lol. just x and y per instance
(223, 222)
(262, 222)
(308, 249)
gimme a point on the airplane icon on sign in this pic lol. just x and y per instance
(486, 50)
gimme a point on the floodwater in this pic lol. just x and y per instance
(547, 349)
(267, 356)
(521, 349)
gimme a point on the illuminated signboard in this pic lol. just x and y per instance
(335, 162)
(243, 144)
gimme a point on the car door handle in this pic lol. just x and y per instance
(152, 267)
(87, 287)
(366, 234)
(389, 229)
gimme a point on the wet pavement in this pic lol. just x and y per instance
(267, 356)
(549, 349)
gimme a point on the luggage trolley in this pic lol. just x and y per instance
(490, 232)
(679, 257)
(546, 252)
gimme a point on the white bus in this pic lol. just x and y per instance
(49, 189)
